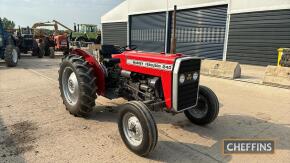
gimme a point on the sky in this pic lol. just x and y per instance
(27, 12)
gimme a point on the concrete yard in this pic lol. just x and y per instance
(35, 127)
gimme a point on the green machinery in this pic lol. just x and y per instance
(86, 33)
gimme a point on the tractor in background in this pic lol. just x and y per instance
(44, 38)
(49, 42)
(61, 39)
(86, 33)
(26, 42)
(8, 49)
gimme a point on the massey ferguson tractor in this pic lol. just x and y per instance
(149, 81)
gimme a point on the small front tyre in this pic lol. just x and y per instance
(138, 128)
(207, 108)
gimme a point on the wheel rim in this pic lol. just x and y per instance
(70, 86)
(14, 55)
(132, 129)
(201, 109)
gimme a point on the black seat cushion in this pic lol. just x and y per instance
(108, 50)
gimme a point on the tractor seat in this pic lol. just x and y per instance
(107, 50)
(111, 61)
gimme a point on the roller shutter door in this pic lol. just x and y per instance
(201, 32)
(114, 33)
(147, 31)
(255, 37)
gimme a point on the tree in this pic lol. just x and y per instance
(8, 24)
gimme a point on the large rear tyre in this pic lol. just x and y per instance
(138, 128)
(18, 52)
(35, 48)
(77, 83)
(41, 51)
(207, 108)
(35, 51)
(51, 52)
(11, 55)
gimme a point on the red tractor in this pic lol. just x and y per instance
(149, 81)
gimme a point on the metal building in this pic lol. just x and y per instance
(247, 31)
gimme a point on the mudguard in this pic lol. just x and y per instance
(99, 72)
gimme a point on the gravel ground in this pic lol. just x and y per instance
(35, 127)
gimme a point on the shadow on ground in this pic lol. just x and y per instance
(15, 140)
(225, 127)
(33, 62)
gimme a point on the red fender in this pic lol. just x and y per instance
(97, 68)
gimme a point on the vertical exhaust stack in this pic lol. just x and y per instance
(75, 28)
(19, 30)
(173, 38)
(78, 28)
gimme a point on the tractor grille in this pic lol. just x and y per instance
(27, 41)
(187, 91)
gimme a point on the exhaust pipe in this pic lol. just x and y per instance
(75, 27)
(173, 39)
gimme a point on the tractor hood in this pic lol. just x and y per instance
(146, 58)
(165, 66)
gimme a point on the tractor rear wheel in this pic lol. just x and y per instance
(77, 85)
(35, 48)
(41, 51)
(51, 52)
(138, 128)
(11, 55)
(207, 108)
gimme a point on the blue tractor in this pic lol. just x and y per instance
(8, 49)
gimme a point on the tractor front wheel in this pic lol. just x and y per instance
(77, 85)
(137, 128)
(207, 108)
(11, 55)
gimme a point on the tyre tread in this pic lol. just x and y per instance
(215, 108)
(150, 122)
(9, 57)
(87, 84)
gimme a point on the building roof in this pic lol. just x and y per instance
(117, 14)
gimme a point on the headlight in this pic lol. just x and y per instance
(195, 76)
(1, 41)
(182, 78)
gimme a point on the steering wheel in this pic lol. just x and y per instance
(128, 48)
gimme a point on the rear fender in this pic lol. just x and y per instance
(99, 72)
